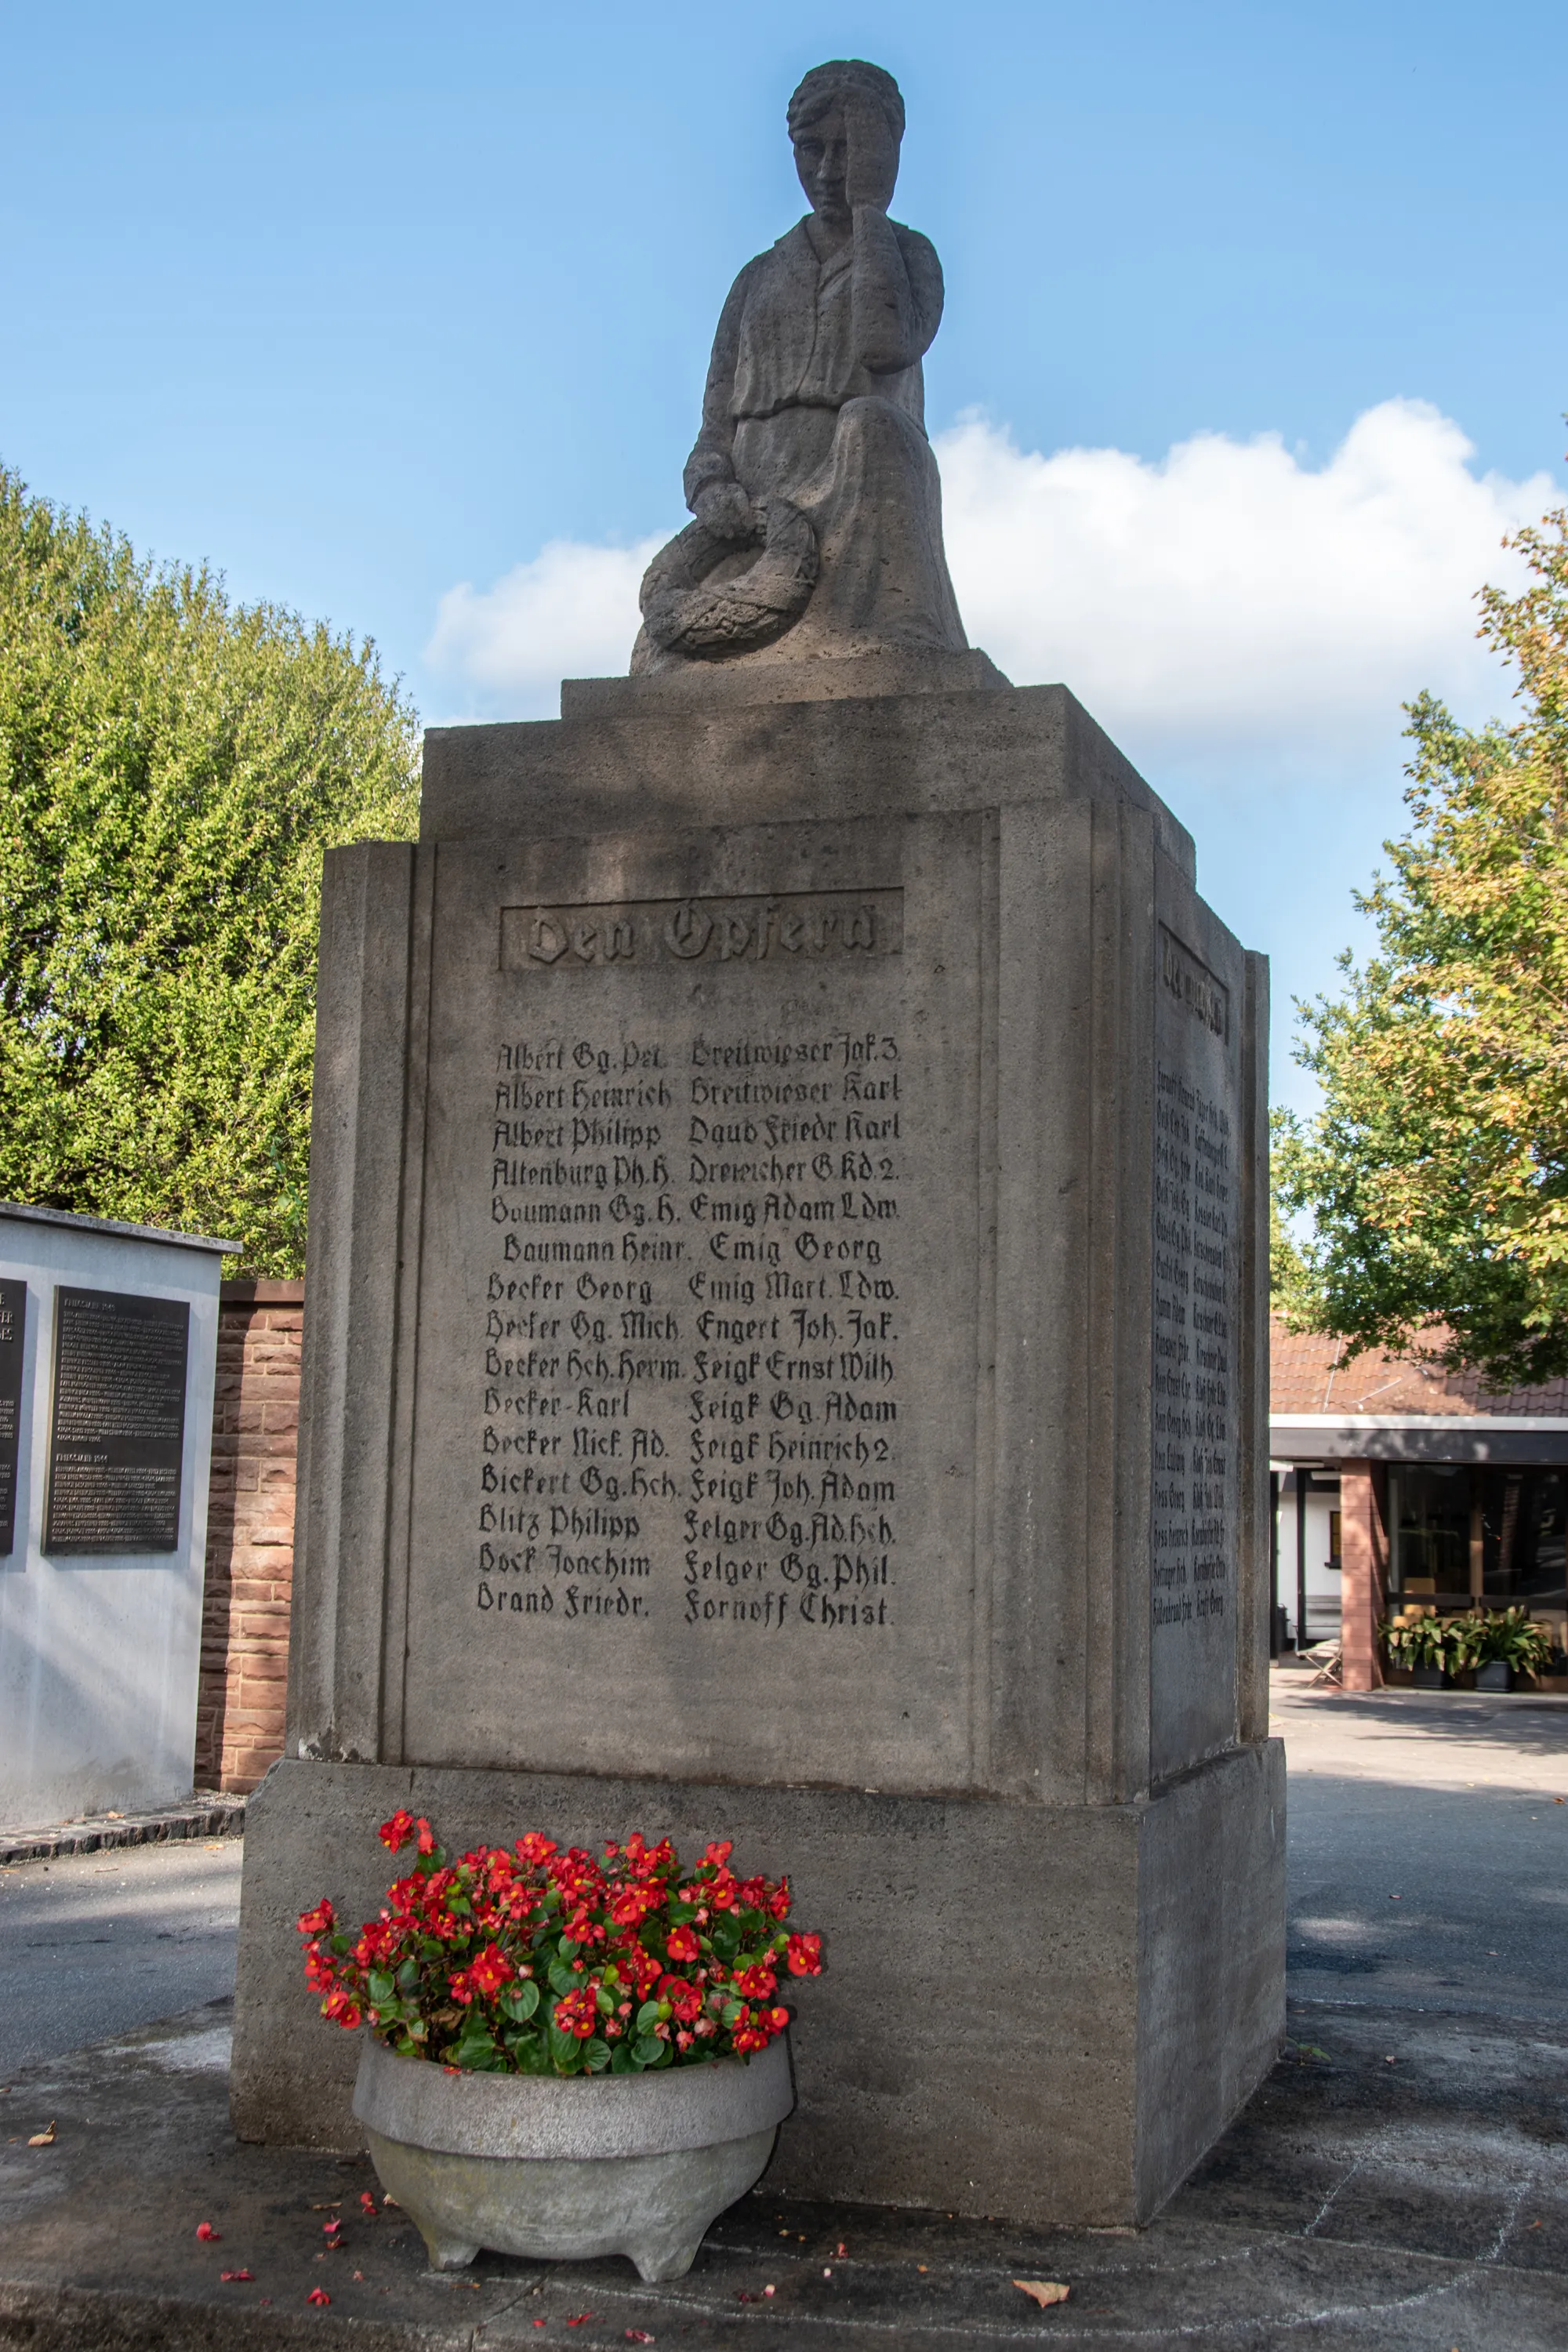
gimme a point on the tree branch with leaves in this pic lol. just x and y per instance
(174, 767)
(1437, 1171)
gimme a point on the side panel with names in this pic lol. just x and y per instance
(1195, 1491)
(118, 1428)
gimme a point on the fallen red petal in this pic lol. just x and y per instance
(581, 2315)
(236, 2277)
(317, 2294)
(638, 2336)
(367, 2200)
(204, 2231)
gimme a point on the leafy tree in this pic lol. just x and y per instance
(173, 767)
(1437, 1173)
(1287, 1281)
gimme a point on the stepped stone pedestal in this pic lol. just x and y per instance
(786, 1361)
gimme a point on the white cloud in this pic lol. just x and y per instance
(572, 613)
(1229, 611)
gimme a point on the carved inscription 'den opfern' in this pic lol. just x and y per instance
(1194, 985)
(790, 927)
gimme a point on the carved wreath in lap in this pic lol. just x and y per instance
(686, 615)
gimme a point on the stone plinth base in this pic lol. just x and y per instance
(1044, 2014)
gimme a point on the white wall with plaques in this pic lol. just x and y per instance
(108, 1353)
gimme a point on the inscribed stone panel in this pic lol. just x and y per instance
(13, 1350)
(694, 1460)
(118, 1431)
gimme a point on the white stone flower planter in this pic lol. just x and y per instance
(567, 2168)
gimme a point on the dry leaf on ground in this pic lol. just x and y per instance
(44, 2138)
(1044, 2290)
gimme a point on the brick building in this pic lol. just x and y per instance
(250, 1534)
(1396, 1483)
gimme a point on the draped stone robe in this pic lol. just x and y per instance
(816, 392)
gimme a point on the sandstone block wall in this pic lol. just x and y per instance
(250, 1534)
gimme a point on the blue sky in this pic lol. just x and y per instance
(363, 304)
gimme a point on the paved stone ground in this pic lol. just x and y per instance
(1357, 2203)
(1401, 2181)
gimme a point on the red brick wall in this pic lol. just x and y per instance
(1364, 1557)
(250, 1534)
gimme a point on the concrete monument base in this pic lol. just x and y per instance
(784, 1362)
(1044, 2014)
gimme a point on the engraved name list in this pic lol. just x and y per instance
(1195, 1326)
(690, 1351)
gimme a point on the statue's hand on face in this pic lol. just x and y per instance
(847, 157)
(872, 167)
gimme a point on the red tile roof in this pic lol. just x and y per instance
(1307, 1375)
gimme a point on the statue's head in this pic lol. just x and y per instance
(842, 106)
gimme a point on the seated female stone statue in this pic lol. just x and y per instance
(813, 446)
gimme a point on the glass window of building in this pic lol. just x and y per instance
(1522, 1525)
(1429, 1527)
(1461, 1533)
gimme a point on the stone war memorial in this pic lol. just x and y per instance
(785, 1355)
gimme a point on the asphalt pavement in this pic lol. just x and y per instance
(97, 1943)
(1428, 1850)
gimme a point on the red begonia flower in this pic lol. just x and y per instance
(490, 1970)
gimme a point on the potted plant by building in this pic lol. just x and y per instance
(1466, 1646)
(566, 2057)
(1508, 1644)
(1418, 1638)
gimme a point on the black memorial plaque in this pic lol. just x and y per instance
(119, 1422)
(12, 1347)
